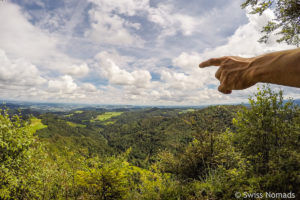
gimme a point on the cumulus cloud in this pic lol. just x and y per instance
(187, 61)
(242, 43)
(65, 88)
(20, 79)
(171, 21)
(130, 51)
(64, 84)
(126, 7)
(244, 40)
(187, 84)
(19, 38)
(88, 87)
(108, 27)
(103, 56)
(173, 87)
(117, 76)
(180, 81)
(77, 70)
(18, 72)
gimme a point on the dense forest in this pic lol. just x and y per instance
(218, 152)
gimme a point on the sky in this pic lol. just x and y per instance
(137, 52)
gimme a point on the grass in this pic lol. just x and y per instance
(76, 112)
(109, 122)
(76, 125)
(187, 110)
(36, 124)
(106, 116)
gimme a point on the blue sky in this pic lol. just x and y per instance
(143, 52)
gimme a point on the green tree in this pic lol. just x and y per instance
(267, 135)
(103, 181)
(16, 149)
(286, 23)
(208, 169)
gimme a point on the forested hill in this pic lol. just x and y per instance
(146, 131)
(217, 152)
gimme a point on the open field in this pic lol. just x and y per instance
(36, 124)
(106, 116)
(75, 124)
(187, 110)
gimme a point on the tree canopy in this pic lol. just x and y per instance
(286, 22)
(210, 153)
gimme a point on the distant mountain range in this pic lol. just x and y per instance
(62, 107)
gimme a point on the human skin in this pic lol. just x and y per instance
(237, 73)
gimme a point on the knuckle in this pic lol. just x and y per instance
(225, 73)
(228, 61)
(218, 73)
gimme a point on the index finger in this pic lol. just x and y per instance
(212, 62)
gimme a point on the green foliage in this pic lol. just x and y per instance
(60, 133)
(103, 181)
(150, 131)
(76, 125)
(287, 21)
(115, 178)
(153, 153)
(261, 153)
(268, 137)
(82, 117)
(227, 176)
(16, 143)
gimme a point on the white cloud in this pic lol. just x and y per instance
(118, 76)
(187, 61)
(64, 84)
(180, 81)
(108, 27)
(137, 64)
(66, 89)
(118, 59)
(126, 7)
(109, 66)
(21, 80)
(77, 70)
(242, 43)
(172, 22)
(18, 72)
(19, 38)
(138, 87)
(88, 87)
